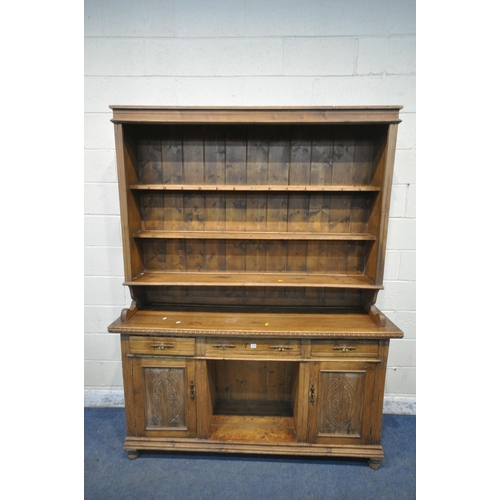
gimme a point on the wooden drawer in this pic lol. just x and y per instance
(344, 348)
(163, 346)
(247, 348)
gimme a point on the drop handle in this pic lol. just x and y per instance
(162, 346)
(281, 347)
(224, 346)
(311, 394)
(344, 349)
(191, 390)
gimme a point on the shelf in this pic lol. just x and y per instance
(255, 187)
(253, 235)
(261, 429)
(247, 279)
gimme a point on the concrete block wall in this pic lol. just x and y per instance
(243, 52)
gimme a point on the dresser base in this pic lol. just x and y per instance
(374, 453)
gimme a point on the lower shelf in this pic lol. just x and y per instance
(252, 428)
(249, 279)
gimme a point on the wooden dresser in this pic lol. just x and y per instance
(254, 245)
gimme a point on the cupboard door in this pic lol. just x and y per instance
(165, 396)
(340, 402)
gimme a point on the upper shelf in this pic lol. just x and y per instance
(253, 235)
(253, 187)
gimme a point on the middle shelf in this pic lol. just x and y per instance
(233, 212)
(251, 235)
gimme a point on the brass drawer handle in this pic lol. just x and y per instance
(344, 349)
(224, 346)
(162, 346)
(280, 347)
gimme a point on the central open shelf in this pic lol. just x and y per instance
(253, 400)
(252, 428)
(254, 408)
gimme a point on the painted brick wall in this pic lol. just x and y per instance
(243, 52)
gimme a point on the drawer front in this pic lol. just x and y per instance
(162, 346)
(244, 348)
(344, 348)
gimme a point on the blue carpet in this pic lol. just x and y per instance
(109, 474)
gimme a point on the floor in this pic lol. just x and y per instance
(109, 474)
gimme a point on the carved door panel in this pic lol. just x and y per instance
(165, 397)
(340, 402)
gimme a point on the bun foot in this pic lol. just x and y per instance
(132, 454)
(374, 463)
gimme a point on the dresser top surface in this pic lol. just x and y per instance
(260, 324)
